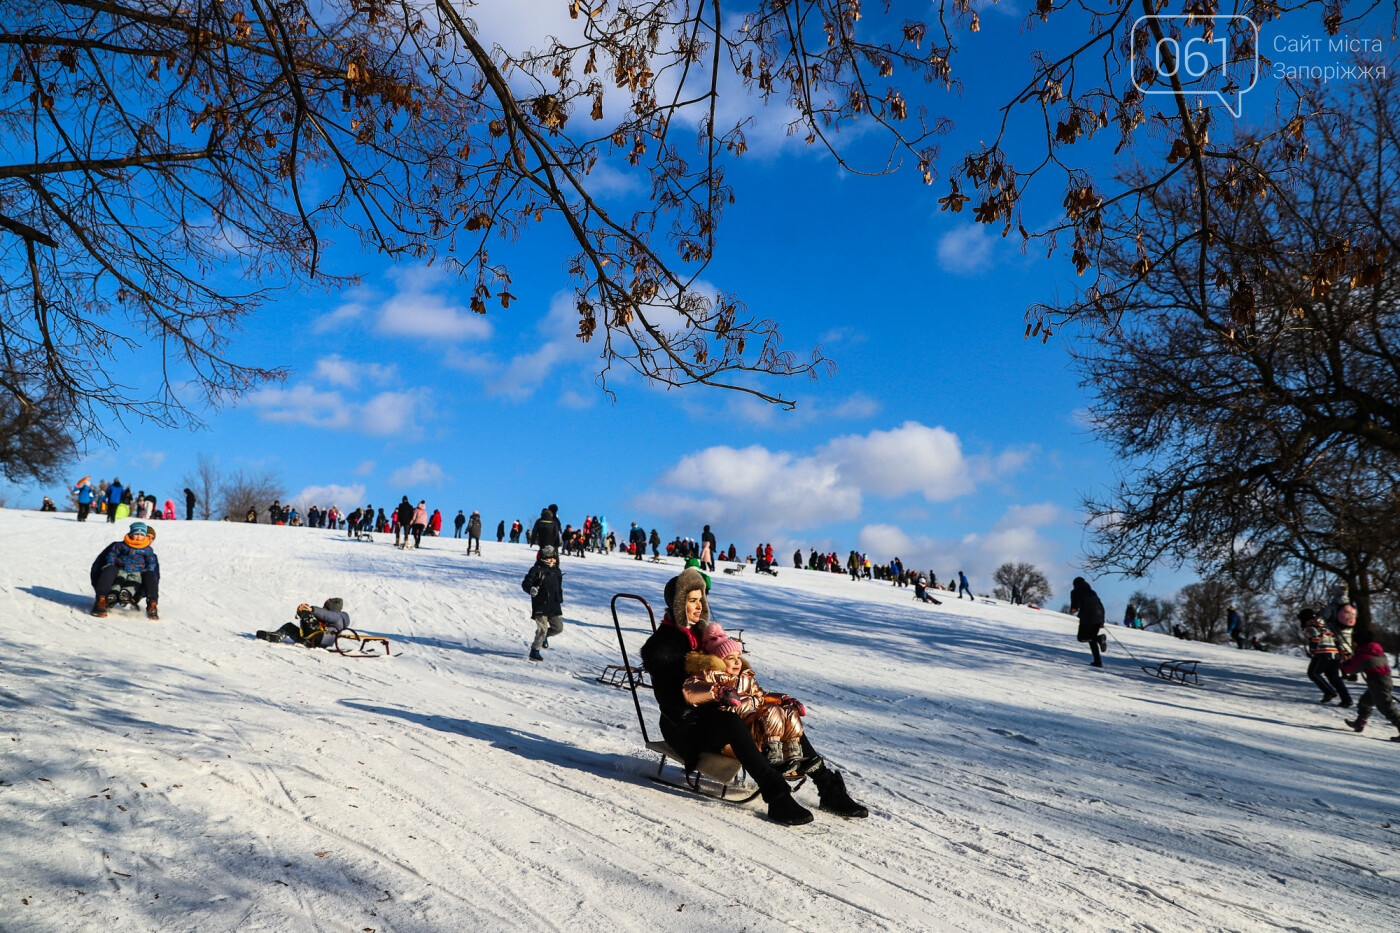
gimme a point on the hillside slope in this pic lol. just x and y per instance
(182, 775)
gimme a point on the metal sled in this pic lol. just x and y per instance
(714, 775)
(1177, 672)
(353, 644)
(737, 568)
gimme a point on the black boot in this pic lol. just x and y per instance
(786, 810)
(831, 790)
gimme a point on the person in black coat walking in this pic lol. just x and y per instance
(638, 539)
(501, 531)
(457, 524)
(1085, 603)
(190, 500)
(545, 584)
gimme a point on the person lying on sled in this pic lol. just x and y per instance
(314, 628)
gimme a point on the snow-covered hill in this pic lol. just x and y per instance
(182, 775)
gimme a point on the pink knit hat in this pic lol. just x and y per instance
(717, 643)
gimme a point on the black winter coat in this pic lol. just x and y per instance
(546, 531)
(1090, 609)
(549, 601)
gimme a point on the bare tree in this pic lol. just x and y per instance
(151, 141)
(35, 435)
(242, 490)
(1153, 611)
(205, 481)
(1261, 425)
(1032, 585)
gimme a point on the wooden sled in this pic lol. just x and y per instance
(353, 644)
(1177, 672)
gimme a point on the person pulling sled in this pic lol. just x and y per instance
(125, 571)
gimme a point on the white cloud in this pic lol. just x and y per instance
(557, 350)
(337, 371)
(760, 492)
(365, 468)
(388, 413)
(148, 459)
(910, 458)
(416, 309)
(1015, 537)
(753, 489)
(418, 473)
(327, 496)
(965, 250)
(354, 307)
(571, 399)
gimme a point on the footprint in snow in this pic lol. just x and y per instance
(1015, 735)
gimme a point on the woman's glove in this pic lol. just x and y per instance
(534, 591)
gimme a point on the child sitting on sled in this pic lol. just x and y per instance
(314, 628)
(719, 673)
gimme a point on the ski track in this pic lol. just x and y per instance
(181, 775)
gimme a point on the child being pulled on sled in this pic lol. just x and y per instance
(719, 673)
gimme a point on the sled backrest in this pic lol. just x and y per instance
(626, 661)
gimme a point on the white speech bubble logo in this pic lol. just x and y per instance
(1194, 60)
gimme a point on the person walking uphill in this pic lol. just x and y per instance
(114, 499)
(403, 518)
(545, 584)
(690, 730)
(474, 532)
(546, 531)
(1084, 602)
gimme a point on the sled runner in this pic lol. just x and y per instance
(1177, 672)
(714, 775)
(353, 644)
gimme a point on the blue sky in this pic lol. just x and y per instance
(943, 437)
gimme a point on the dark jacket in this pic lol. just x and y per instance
(460, 520)
(663, 656)
(546, 530)
(404, 514)
(1090, 610)
(474, 525)
(549, 601)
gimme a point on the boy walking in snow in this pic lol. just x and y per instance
(545, 584)
(1322, 649)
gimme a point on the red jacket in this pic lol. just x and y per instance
(1368, 659)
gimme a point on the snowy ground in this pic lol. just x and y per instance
(182, 775)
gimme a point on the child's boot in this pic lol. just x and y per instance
(1357, 724)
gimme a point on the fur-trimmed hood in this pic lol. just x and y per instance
(685, 582)
(698, 662)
